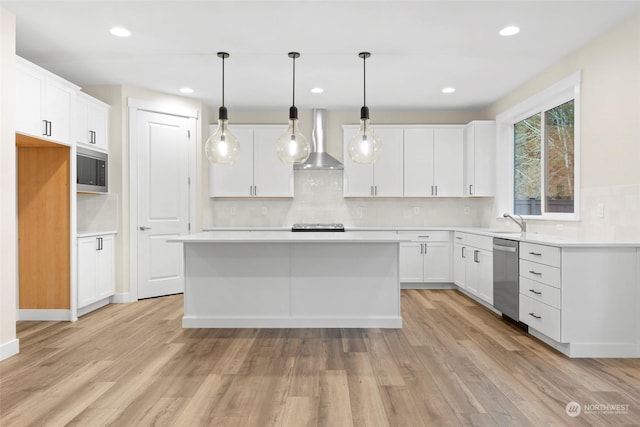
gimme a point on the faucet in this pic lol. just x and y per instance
(521, 223)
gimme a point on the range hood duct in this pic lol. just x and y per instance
(319, 159)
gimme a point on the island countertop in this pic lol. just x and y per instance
(290, 237)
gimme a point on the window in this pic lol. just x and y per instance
(540, 139)
(544, 162)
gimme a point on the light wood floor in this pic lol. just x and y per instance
(453, 363)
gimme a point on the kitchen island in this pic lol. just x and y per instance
(279, 279)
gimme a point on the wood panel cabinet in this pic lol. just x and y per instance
(92, 122)
(44, 103)
(95, 269)
(433, 161)
(384, 178)
(479, 158)
(258, 172)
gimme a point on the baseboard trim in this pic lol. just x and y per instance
(44, 315)
(291, 322)
(121, 298)
(407, 285)
(10, 348)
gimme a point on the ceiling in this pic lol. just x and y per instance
(418, 47)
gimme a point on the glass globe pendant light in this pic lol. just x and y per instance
(293, 146)
(365, 146)
(222, 146)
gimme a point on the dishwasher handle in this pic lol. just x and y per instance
(503, 248)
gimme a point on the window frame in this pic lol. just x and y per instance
(555, 95)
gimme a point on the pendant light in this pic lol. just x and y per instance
(222, 146)
(293, 147)
(365, 146)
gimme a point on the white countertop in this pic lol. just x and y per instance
(380, 232)
(289, 237)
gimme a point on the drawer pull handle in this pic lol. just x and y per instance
(535, 292)
(533, 315)
(459, 238)
(535, 253)
(535, 272)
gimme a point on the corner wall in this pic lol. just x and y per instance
(610, 133)
(8, 214)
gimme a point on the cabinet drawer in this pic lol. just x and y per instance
(426, 235)
(540, 292)
(540, 317)
(459, 237)
(548, 255)
(540, 273)
(480, 242)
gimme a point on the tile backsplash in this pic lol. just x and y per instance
(97, 212)
(318, 199)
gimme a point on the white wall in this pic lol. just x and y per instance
(8, 212)
(610, 134)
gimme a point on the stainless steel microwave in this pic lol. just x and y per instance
(92, 171)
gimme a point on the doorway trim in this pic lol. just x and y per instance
(135, 105)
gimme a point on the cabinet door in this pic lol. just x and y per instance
(29, 92)
(480, 159)
(235, 180)
(471, 270)
(485, 275)
(87, 248)
(105, 283)
(358, 177)
(460, 252)
(418, 162)
(81, 128)
(57, 110)
(448, 152)
(411, 262)
(99, 125)
(271, 177)
(437, 262)
(388, 173)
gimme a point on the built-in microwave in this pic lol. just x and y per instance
(91, 169)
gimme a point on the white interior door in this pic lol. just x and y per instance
(163, 201)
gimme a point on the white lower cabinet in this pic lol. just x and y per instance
(473, 265)
(96, 280)
(427, 258)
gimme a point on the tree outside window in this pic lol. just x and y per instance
(544, 167)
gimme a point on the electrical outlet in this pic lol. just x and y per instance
(264, 210)
(559, 227)
(600, 210)
(416, 210)
(467, 210)
(358, 212)
(233, 211)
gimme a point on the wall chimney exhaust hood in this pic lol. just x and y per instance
(319, 159)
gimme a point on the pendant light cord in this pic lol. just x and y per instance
(293, 102)
(223, 57)
(364, 67)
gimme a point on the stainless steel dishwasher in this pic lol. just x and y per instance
(505, 277)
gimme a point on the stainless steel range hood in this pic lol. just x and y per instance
(319, 159)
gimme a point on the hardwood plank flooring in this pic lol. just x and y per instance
(453, 363)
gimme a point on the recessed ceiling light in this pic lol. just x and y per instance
(448, 90)
(509, 31)
(317, 90)
(120, 32)
(186, 90)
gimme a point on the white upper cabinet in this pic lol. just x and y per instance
(479, 158)
(258, 172)
(433, 161)
(384, 178)
(92, 122)
(44, 103)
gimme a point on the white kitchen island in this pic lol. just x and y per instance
(280, 279)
